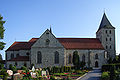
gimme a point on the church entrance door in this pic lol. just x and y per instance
(96, 64)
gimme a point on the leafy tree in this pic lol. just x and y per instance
(1, 57)
(2, 44)
(109, 61)
(114, 60)
(112, 73)
(76, 59)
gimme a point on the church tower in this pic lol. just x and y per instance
(106, 34)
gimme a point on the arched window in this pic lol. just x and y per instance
(47, 42)
(17, 55)
(56, 57)
(110, 39)
(83, 58)
(110, 32)
(27, 53)
(106, 31)
(110, 46)
(106, 47)
(96, 56)
(70, 59)
(39, 57)
(106, 39)
(12, 55)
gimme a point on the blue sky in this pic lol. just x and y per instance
(26, 19)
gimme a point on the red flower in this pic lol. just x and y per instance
(28, 73)
(24, 73)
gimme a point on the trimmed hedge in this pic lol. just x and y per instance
(107, 67)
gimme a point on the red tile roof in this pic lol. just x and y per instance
(68, 43)
(20, 46)
(33, 39)
(81, 43)
(20, 58)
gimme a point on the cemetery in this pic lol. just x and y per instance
(49, 73)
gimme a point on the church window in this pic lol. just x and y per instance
(110, 32)
(96, 56)
(16, 64)
(25, 64)
(27, 53)
(12, 55)
(56, 57)
(70, 59)
(39, 57)
(106, 31)
(106, 39)
(47, 41)
(110, 39)
(17, 55)
(106, 47)
(83, 58)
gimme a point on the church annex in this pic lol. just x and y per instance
(47, 50)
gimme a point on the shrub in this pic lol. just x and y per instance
(112, 73)
(4, 73)
(10, 66)
(14, 69)
(105, 76)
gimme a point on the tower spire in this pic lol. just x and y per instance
(105, 22)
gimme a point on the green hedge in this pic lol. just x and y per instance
(108, 66)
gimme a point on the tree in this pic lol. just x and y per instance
(112, 73)
(2, 44)
(109, 61)
(76, 59)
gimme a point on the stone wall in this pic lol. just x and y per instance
(101, 59)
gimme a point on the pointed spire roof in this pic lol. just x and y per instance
(105, 22)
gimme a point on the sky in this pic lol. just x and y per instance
(26, 19)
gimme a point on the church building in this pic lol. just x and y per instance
(47, 50)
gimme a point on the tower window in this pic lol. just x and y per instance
(106, 31)
(106, 39)
(110, 39)
(110, 46)
(106, 47)
(110, 32)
